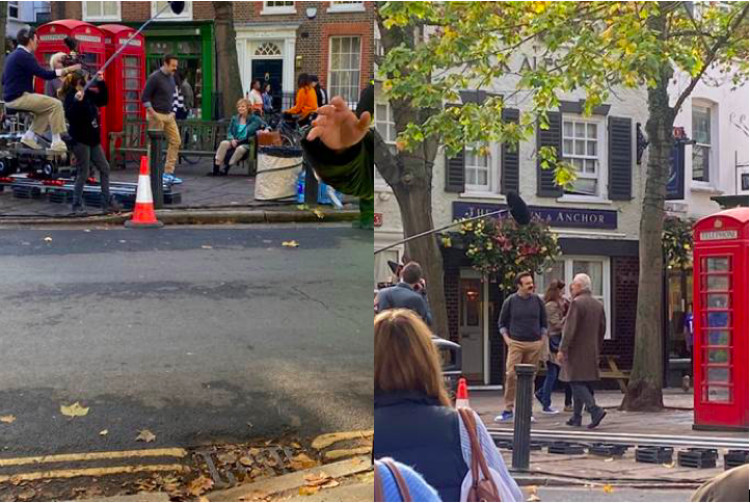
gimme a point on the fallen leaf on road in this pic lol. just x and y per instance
(246, 461)
(302, 462)
(104, 433)
(295, 445)
(75, 410)
(319, 214)
(347, 453)
(26, 494)
(226, 458)
(7, 419)
(330, 484)
(249, 424)
(290, 244)
(308, 490)
(207, 247)
(145, 436)
(47, 239)
(668, 465)
(303, 207)
(608, 488)
(608, 460)
(317, 480)
(532, 490)
(198, 486)
(329, 439)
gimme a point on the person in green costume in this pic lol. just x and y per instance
(340, 147)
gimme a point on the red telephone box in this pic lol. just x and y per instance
(720, 301)
(126, 75)
(90, 46)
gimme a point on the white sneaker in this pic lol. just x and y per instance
(550, 411)
(59, 146)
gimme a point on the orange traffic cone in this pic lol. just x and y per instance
(462, 394)
(143, 215)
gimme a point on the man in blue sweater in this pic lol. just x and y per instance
(18, 91)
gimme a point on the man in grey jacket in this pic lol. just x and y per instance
(158, 97)
(410, 293)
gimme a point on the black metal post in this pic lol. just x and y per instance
(156, 166)
(522, 417)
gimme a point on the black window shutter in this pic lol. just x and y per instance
(509, 164)
(454, 173)
(552, 137)
(620, 158)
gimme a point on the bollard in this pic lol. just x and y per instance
(522, 417)
(156, 166)
(311, 184)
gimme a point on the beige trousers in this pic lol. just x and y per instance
(168, 124)
(48, 112)
(519, 352)
(224, 147)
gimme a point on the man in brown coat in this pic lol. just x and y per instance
(583, 334)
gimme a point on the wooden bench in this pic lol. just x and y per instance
(199, 139)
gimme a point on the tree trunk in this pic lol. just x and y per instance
(415, 203)
(645, 386)
(3, 23)
(229, 81)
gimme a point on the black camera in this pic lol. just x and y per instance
(75, 57)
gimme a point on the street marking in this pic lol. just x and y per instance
(89, 472)
(89, 456)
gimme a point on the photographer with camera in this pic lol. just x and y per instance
(410, 293)
(18, 91)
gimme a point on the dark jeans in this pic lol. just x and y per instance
(582, 396)
(85, 156)
(545, 393)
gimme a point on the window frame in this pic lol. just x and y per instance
(15, 5)
(167, 15)
(88, 17)
(274, 10)
(600, 159)
(335, 7)
(475, 188)
(389, 123)
(330, 70)
(710, 172)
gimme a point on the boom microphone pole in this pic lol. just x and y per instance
(176, 7)
(516, 207)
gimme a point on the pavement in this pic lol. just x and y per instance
(598, 494)
(200, 335)
(556, 469)
(233, 192)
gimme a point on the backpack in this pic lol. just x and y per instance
(403, 489)
(478, 486)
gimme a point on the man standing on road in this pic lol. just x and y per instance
(523, 324)
(410, 293)
(158, 98)
(578, 356)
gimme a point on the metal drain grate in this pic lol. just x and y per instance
(227, 468)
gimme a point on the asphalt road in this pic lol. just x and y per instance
(198, 334)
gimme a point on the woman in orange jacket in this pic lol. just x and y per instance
(307, 100)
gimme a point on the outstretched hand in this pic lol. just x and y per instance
(338, 127)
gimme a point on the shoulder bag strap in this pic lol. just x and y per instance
(477, 457)
(402, 487)
(378, 486)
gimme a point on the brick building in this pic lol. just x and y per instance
(276, 41)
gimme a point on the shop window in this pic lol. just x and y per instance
(278, 8)
(168, 15)
(13, 10)
(347, 7)
(101, 11)
(478, 177)
(702, 150)
(344, 68)
(565, 270)
(582, 147)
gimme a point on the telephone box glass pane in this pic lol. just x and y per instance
(718, 394)
(720, 283)
(713, 264)
(718, 375)
(718, 338)
(131, 72)
(718, 300)
(717, 319)
(718, 356)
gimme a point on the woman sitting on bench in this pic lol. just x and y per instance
(241, 129)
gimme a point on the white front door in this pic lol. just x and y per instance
(471, 326)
